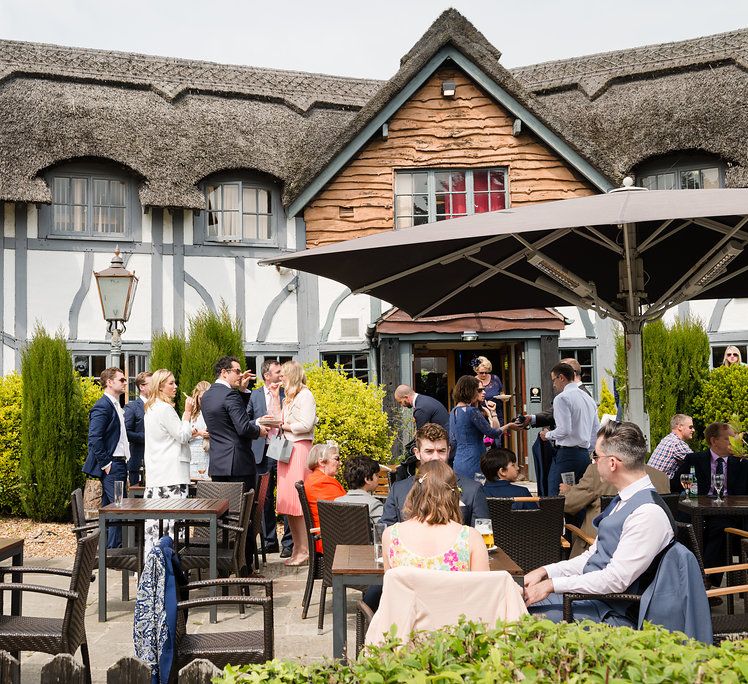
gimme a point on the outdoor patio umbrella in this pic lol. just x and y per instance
(629, 255)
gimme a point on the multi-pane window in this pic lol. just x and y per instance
(435, 195)
(353, 365)
(239, 212)
(89, 205)
(683, 179)
(586, 359)
(91, 365)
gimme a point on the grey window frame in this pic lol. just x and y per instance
(573, 352)
(431, 189)
(277, 223)
(689, 163)
(91, 171)
(353, 354)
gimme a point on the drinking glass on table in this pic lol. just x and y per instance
(685, 482)
(480, 478)
(718, 482)
(379, 529)
(119, 492)
(485, 529)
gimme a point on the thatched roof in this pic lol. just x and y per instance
(173, 122)
(626, 106)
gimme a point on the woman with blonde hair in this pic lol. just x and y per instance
(433, 537)
(732, 356)
(297, 426)
(200, 443)
(167, 456)
(323, 460)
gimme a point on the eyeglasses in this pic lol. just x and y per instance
(481, 372)
(595, 456)
(235, 370)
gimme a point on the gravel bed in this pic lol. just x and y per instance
(42, 540)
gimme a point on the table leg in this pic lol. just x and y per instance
(213, 565)
(102, 567)
(16, 596)
(339, 618)
(698, 528)
(126, 573)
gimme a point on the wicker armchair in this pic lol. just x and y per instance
(53, 635)
(530, 537)
(316, 560)
(127, 559)
(223, 648)
(340, 523)
(196, 532)
(263, 481)
(670, 499)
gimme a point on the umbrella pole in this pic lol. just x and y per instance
(635, 371)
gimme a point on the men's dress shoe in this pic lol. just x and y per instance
(272, 548)
(285, 552)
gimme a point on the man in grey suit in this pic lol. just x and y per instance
(268, 400)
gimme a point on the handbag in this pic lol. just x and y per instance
(280, 448)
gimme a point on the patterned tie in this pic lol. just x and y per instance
(720, 466)
(609, 509)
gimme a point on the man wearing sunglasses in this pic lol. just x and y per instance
(631, 532)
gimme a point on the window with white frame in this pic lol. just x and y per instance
(239, 211)
(586, 359)
(425, 196)
(91, 200)
(353, 365)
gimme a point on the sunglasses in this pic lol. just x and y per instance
(731, 354)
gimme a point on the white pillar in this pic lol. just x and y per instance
(635, 378)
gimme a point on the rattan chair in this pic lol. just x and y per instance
(53, 635)
(670, 499)
(316, 560)
(224, 648)
(532, 537)
(340, 523)
(127, 559)
(196, 534)
(263, 481)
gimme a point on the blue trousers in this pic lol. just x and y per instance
(566, 460)
(552, 608)
(118, 471)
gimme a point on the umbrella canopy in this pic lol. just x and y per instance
(630, 254)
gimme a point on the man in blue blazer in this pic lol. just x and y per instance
(426, 409)
(268, 400)
(108, 450)
(135, 426)
(432, 444)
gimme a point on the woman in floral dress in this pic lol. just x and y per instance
(433, 537)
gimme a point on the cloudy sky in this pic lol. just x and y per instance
(355, 38)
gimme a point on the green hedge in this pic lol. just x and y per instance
(11, 388)
(528, 651)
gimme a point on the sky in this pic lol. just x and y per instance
(354, 38)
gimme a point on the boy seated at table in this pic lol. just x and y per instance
(499, 465)
(362, 475)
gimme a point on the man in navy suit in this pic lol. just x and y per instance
(717, 459)
(268, 400)
(108, 450)
(432, 444)
(135, 426)
(425, 409)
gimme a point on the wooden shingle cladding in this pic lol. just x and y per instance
(468, 132)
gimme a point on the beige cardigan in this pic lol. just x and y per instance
(300, 416)
(414, 599)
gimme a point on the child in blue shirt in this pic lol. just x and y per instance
(500, 468)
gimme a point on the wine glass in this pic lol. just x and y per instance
(685, 482)
(480, 478)
(718, 482)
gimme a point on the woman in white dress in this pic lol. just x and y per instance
(167, 456)
(200, 443)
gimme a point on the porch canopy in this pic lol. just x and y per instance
(630, 254)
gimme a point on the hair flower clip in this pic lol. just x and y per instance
(421, 479)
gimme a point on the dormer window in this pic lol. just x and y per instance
(239, 212)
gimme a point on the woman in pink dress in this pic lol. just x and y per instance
(299, 417)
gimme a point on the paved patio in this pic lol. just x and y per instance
(109, 641)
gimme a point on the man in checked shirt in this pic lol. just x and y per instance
(672, 449)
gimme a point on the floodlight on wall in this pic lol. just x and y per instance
(715, 267)
(469, 336)
(449, 88)
(561, 275)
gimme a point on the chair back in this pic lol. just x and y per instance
(79, 513)
(232, 491)
(74, 622)
(532, 537)
(342, 523)
(315, 558)
(239, 559)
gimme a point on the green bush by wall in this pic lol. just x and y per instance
(607, 403)
(527, 651)
(724, 394)
(350, 412)
(53, 422)
(10, 444)
(167, 351)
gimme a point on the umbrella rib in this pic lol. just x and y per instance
(663, 226)
(656, 237)
(602, 239)
(433, 262)
(719, 227)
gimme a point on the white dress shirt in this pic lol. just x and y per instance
(123, 446)
(644, 534)
(575, 415)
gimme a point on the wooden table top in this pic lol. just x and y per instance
(9, 546)
(359, 560)
(730, 504)
(177, 506)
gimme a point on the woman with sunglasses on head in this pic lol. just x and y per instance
(732, 357)
(491, 383)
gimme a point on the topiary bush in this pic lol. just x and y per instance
(53, 423)
(607, 403)
(167, 351)
(530, 650)
(350, 412)
(11, 389)
(723, 396)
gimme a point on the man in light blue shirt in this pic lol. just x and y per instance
(575, 415)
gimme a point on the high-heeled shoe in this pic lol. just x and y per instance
(293, 562)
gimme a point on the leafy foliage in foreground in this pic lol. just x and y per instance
(528, 651)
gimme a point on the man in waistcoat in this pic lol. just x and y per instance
(631, 533)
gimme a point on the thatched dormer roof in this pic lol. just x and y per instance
(173, 122)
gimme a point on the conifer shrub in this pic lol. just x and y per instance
(53, 423)
(167, 351)
(607, 403)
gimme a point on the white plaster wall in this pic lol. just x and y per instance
(9, 360)
(145, 225)
(188, 219)
(353, 306)
(263, 283)
(168, 228)
(9, 291)
(139, 325)
(576, 328)
(32, 222)
(701, 310)
(735, 317)
(168, 293)
(192, 302)
(216, 275)
(284, 328)
(291, 233)
(328, 291)
(10, 220)
(53, 280)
